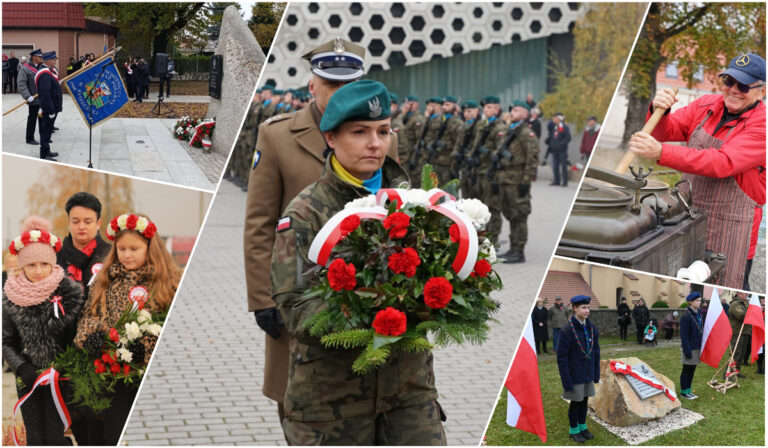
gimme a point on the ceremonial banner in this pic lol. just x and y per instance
(525, 409)
(717, 332)
(109, 95)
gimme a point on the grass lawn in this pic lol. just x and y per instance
(736, 418)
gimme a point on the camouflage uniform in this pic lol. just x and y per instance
(487, 140)
(736, 314)
(242, 156)
(462, 150)
(518, 158)
(326, 403)
(442, 144)
(416, 129)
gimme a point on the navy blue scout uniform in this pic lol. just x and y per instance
(578, 360)
(691, 331)
(49, 95)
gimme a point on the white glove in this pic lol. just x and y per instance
(30, 99)
(52, 116)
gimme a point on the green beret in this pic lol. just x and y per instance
(269, 87)
(279, 92)
(491, 100)
(522, 104)
(450, 99)
(412, 98)
(470, 104)
(393, 98)
(258, 90)
(435, 99)
(364, 100)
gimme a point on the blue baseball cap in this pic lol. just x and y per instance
(747, 68)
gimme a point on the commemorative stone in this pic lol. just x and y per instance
(241, 63)
(623, 400)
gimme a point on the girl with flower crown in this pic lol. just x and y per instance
(137, 261)
(41, 307)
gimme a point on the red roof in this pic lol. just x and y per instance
(566, 285)
(43, 15)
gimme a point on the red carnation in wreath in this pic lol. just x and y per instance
(349, 224)
(341, 275)
(404, 262)
(482, 269)
(437, 292)
(397, 224)
(389, 322)
(25, 238)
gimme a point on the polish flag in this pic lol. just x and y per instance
(525, 409)
(717, 332)
(755, 318)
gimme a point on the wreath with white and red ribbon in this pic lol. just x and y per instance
(625, 369)
(34, 236)
(126, 221)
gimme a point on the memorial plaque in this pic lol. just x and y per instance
(641, 389)
(214, 79)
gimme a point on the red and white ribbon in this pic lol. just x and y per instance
(620, 367)
(139, 296)
(95, 269)
(49, 377)
(463, 264)
(198, 129)
(56, 300)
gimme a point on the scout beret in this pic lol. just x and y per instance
(693, 296)
(37, 52)
(337, 60)
(470, 104)
(450, 99)
(747, 68)
(412, 98)
(491, 100)
(49, 55)
(523, 104)
(393, 98)
(364, 100)
(580, 300)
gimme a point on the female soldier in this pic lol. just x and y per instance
(690, 340)
(325, 402)
(578, 359)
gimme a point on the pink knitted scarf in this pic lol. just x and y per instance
(22, 292)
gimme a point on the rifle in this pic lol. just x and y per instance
(473, 159)
(437, 144)
(419, 146)
(459, 156)
(503, 151)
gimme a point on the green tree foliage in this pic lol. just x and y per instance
(264, 22)
(696, 35)
(602, 38)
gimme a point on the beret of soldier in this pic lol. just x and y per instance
(435, 99)
(412, 98)
(580, 300)
(268, 87)
(364, 100)
(37, 52)
(470, 104)
(518, 103)
(279, 92)
(47, 56)
(693, 296)
(450, 99)
(337, 60)
(747, 68)
(393, 98)
(491, 100)
(258, 90)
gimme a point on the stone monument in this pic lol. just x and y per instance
(242, 62)
(620, 401)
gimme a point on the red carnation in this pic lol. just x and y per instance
(115, 369)
(397, 224)
(114, 225)
(126, 369)
(25, 238)
(482, 268)
(404, 262)
(453, 231)
(341, 275)
(437, 292)
(45, 237)
(114, 335)
(349, 224)
(58, 246)
(130, 223)
(12, 249)
(149, 232)
(389, 322)
(99, 366)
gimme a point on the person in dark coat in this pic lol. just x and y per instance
(557, 141)
(50, 97)
(589, 137)
(28, 90)
(13, 72)
(540, 333)
(641, 316)
(129, 66)
(624, 318)
(691, 331)
(578, 361)
(145, 74)
(533, 122)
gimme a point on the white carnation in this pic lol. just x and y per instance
(141, 224)
(54, 239)
(415, 196)
(487, 249)
(476, 211)
(132, 331)
(125, 355)
(368, 201)
(144, 316)
(17, 243)
(154, 329)
(124, 340)
(34, 234)
(122, 220)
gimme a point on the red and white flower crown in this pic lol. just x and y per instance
(34, 236)
(131, 222)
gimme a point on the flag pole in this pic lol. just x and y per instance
(727, 383)
(68, 77)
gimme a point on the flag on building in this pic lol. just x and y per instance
(755, 318)
(717, 332)
(98, 94)
(525, 410)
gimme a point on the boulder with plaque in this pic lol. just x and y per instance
(631, 392)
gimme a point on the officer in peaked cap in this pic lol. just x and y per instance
(286, 155)
(28, 90)
(49, 96)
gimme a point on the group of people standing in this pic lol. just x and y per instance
(62, 291)
(137, 78)
(38, 83)
(11, 66)
(543, 318)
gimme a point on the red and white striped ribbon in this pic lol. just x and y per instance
(199, 129)
(328, 236)
(620, 367)
(56, 300)
(49, 377)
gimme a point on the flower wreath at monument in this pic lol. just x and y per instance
(197, 132)
(402, 264)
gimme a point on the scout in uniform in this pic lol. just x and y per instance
(325, 402)
(517, 157)
(288, 156)
(691, 331)
(578, 360)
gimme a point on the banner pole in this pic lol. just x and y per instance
(70, 76)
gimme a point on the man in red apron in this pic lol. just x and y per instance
(724, 157)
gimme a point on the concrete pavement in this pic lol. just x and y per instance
(204, 384)
(141, 147)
